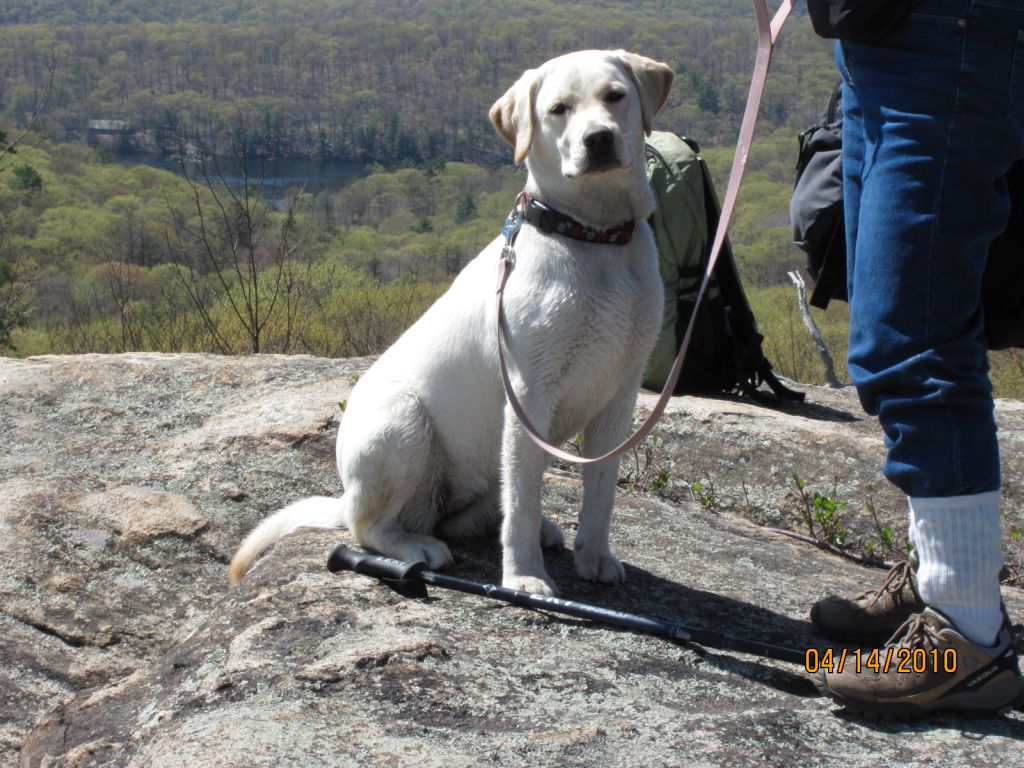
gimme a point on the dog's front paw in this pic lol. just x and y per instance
(535, 585)
(593, 564)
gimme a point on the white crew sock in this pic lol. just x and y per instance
(957, 542)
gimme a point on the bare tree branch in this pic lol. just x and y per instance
(801, 290)
(236, 256)
(39, 105)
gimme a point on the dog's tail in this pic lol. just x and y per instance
(314, 512)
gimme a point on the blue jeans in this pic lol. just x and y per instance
(933, 119)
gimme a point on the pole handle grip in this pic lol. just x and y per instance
(378, 566)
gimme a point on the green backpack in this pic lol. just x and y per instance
(725, 354)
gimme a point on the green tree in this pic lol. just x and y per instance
(466, 208)
(26, 178)
(13, 308)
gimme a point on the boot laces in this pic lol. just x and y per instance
(897, 578)
(915, 632)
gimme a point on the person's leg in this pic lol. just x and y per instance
(957, 542)
(935, 121)
(925, 203)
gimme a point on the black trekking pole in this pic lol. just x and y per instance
(410, 580)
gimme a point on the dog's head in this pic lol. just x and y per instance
(584, 113)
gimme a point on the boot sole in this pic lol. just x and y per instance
(1000, 699)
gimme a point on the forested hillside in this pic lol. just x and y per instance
(111, 259)
(376, 79)
(94, 257)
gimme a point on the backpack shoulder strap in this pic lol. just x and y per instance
(743, 324)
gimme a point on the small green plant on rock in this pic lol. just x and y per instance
(886, 534)
(816, 507)
(704, 493)
(644, 472)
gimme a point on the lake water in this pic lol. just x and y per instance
(278, 176)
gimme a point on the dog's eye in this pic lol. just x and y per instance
(559, 109)
(613, 96)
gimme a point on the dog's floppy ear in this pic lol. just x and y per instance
(513, 116)
(653, 80)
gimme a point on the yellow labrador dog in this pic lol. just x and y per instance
(428, 444)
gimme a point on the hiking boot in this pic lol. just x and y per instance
(927, 666)
(870, 617)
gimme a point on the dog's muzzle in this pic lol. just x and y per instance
(601, 155)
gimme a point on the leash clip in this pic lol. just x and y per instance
(510, 231)
(513, 223)
(508, 257)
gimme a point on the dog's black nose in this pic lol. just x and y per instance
(598, 139)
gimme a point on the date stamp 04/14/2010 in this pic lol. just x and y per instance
(881, 661)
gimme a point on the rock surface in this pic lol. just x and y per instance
(127, 482)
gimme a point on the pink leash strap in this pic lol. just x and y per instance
(768, 32)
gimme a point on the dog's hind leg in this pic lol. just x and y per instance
(551, 536)
(389, 476)
(375, 518)
(480, 517)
